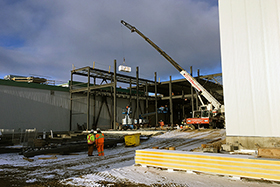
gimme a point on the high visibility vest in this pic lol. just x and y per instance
(99, 138)
(90, 139)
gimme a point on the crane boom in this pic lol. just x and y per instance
(184, 73)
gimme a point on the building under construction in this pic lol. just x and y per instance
(94, 99)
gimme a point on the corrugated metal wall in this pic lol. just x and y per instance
(250, 48)
(23, 107)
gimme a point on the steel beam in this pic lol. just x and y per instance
(115, 94)
(156, 98)
(137, 93)
(102, 74)
(95, 87)
(88, 100)
(170, 102)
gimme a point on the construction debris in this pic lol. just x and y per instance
(269, 152)
(28, 159)
(45, 158)
(213, 146)
(25, 79)
(68, 148)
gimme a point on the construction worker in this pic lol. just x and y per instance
(91, 142)
(99, 141)
(161, 124)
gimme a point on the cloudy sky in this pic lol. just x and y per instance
(45, 37)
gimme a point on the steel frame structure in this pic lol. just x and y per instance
(167, 88)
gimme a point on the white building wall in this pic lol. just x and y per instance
(250, 48)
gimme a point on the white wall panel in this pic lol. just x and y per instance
(250, 48)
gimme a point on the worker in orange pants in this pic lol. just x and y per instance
(99, 142)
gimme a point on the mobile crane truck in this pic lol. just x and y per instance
(209, 116)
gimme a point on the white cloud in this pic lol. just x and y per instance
(57, 34)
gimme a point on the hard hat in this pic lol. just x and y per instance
(91, 131)
(98, 129)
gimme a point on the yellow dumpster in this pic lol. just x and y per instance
(132, 139)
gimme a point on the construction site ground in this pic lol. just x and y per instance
(117, 167)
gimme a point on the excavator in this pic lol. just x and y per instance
(208, 116)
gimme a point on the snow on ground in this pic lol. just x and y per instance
(150, 176)
(153, 177)
(116, 167)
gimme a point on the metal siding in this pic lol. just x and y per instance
(250, 46)
(22, 108)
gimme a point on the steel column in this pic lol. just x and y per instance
(130, 92)
(196, 96)
(170, 102)
(137, 94)
(71, 101)
(115, 94)
(88, 98)
(147, 101)
(191, 91)
(183, 105)
(94, 104)
(156, 98)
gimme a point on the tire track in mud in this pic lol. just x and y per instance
(130, 151)
(183, 146)
(186, 140)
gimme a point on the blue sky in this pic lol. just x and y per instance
(46, 37)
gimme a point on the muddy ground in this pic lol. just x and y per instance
(16, 171)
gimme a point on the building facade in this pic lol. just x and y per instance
(250, 48)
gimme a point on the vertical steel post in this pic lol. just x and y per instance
(171, 102)
(183, 105)
(156, 98)
(137, 94)
(191, 91)
(112, 105)
(115, 94)
(88, 98)
(147, 101)
(71, 100)
(130, 93)
(94, 103)
(196, 96)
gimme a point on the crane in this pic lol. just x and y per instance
(199, 88)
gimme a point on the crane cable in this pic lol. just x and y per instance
(123, 46)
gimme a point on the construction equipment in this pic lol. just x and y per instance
(127, 121)
(214, 115)
(160, 110)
